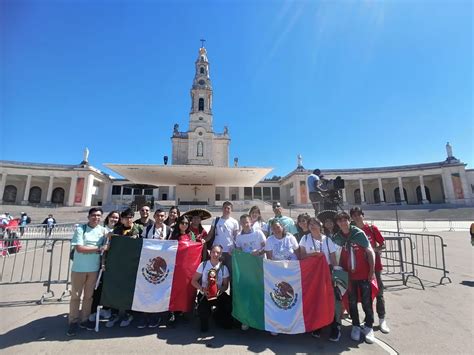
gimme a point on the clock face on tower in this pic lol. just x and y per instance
(201, 82)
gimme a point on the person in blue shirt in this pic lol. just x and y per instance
(87, 242)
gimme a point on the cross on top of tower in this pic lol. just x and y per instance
(202, 42)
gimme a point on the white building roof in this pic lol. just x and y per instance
(163, 175)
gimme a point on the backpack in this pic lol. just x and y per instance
(211, 240)
(71, 253)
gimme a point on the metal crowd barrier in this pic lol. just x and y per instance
(36, 261)
(408, 253)
(65, 230)
(398, 259)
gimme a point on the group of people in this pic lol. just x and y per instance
(345, 240)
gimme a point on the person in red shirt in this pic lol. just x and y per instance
(378, 244)
(357, 258)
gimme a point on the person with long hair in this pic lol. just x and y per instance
(111, 221)
(302, 226)
(181, 230)
(281, 245)
(173, 215)
(256, 220)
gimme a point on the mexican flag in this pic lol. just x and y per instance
(150, 275)
(282, 296)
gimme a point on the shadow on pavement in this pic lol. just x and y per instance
(53, 329)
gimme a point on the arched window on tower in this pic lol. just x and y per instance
(200, 149)
(202, 70)
(201, 104)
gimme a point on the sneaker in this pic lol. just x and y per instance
(154, 322)
(274, 334)
(171, 323)
(355, 333)
(72, 329)
(316, 333)
(92, 317)
(244, 327)
(126, 320)
(335, 334)
(87, 324)
(369, 335)
(383, 326)
(172, 318)
(114, 319)
(141, 322)
(105, 313)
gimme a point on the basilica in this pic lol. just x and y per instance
(200, 174)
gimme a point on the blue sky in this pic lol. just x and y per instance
(346, 84)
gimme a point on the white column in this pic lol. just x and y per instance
(448, 187)
(3, 182)
(172, 197)
(466, 189)
(362, 195)
(344, 197)
(50, 189)
(27, 189)
(423, 192)
(72, 191)
(226, 193)
(400, 188)
(88, 190)
(241, 193)
(382, 198)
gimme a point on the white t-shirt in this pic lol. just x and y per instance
(282, 249)
(325, 245)
(250, 241)
(260, 225)
(155, 233)
(225, 231)
(222, 272)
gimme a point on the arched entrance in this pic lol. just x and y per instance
(397, 194)
(35, 195)
(58, 195)
(419, 198)
(377, 196)
(9, 194)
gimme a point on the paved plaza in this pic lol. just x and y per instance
(438, 319)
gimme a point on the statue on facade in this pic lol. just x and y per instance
(449, 150)
(85, 157)
(300, 161)
(176, 129)
(226, 130)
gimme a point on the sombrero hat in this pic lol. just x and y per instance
(323, 215)
(201, 212)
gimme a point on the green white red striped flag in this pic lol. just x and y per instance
(150, 275)
(282, 296)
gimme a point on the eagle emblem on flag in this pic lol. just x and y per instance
(284, 296)
(155, 271)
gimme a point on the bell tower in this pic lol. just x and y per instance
(201, 94)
